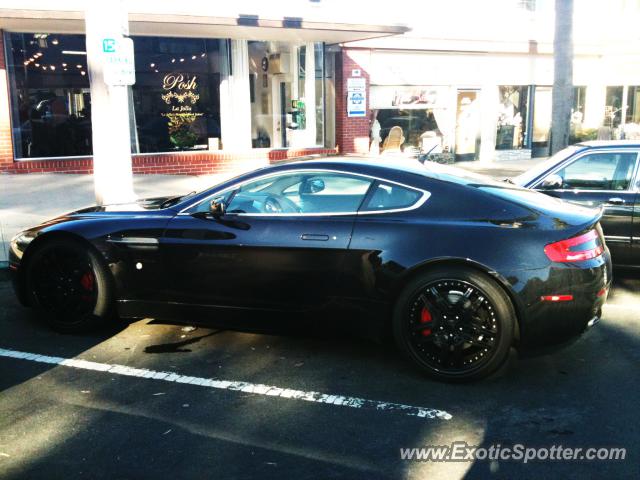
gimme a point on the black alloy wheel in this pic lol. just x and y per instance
(69, 286)
(455, 323)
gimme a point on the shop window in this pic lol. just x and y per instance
(613, 107)
(512, 117)
(176, 99)
(287, 103)
(176, 96)
(579, 100)
(49, 91)
(415, 129)
(633, 105)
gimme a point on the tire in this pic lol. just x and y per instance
(69, 286)
(456, 324)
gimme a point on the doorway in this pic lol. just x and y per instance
(467, 126)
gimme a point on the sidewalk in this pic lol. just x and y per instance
(27, 200)
(500, 170)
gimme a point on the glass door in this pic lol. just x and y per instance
(467, 125)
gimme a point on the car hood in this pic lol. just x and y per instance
(141, 205)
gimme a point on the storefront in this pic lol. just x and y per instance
(488, 105)
(213, 95)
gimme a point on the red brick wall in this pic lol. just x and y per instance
(6, 147)
(179, 163)
(352, 134)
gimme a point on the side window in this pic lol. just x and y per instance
(297, 192)
(600, 171)
(389, 196)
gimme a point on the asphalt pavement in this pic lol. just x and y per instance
(247, 405)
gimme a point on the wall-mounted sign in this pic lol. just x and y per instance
(181, 96)
(119, 65)
(356, 97)
(410, 97)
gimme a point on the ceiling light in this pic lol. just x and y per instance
(74, 52)
(83, 73)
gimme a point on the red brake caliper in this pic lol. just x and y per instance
(425, 317)
(87, 281)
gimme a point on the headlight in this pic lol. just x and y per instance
(20, 242)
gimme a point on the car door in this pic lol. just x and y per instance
(603, 177)
(281, 241)
(635, 226)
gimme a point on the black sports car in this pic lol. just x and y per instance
(594, 174)
(457, 269)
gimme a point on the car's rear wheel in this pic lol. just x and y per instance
(455, 323)
(69, 286)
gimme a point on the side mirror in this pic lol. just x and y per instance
(217, 207)
(552, 182)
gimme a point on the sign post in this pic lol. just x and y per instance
(111, 70)
(357, 97)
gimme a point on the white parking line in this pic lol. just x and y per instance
(245, 387)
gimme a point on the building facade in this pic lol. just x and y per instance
(218, 89)
(473, 80)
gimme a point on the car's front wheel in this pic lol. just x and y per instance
(69, 286)
(455, 323)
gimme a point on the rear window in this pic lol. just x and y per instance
(390, 197)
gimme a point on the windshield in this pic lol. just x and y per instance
(534, 172)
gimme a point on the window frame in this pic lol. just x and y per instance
(633, 184)
(374, 182)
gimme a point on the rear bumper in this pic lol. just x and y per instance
(545, 322)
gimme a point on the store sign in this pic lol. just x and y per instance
(409, 97)
(181, 95)
(119, 65)
(356, 97)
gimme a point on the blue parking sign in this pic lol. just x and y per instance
(108, 45)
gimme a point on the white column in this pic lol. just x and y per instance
(489, 98)
(112, 174)
(235, 99)
(595, 99)
(310, 95)
(623, 107)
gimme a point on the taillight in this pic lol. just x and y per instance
(576, 249)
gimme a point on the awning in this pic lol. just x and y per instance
(155, 18)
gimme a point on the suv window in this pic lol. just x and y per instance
(389, 196)
(600, 171)
(299, 192)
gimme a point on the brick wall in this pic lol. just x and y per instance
(6, 147)
(178, 163)
(352, 134)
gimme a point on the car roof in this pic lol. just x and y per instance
(395, 162)
(610, 143)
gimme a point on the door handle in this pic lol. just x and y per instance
(616, 201)
(314, 236)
